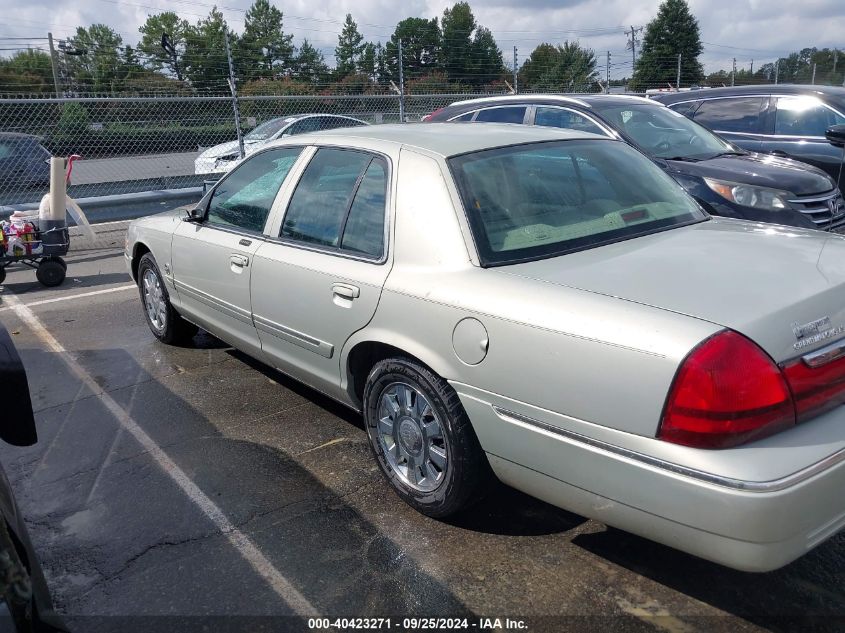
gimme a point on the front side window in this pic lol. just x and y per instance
(546, 199)
(804, 116)
(339, 203)
(244, 197)
(741, 114)
(509, 114)
(550, 116)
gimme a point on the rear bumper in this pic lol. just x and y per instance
(748, 525)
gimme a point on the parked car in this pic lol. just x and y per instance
(783, 120)
(725, 179)
(25, 601)
(221, 158)
(546, 303)
(24, 161)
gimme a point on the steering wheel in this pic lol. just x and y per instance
(663, 146)
(694, 140)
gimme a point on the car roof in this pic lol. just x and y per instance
(445, 139)
(584, 100)
(17, 136)
(765, 89)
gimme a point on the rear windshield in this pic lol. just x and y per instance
(544, 199)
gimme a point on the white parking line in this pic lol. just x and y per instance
(93, 293)
(247, 549)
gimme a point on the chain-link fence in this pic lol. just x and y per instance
(131, 145)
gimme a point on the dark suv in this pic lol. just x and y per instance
(783, 120)
(725, 179)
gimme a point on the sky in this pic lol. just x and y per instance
(759, 30)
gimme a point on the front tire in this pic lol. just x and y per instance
(164, 322)
(422, 438)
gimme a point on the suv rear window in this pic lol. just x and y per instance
(544, 199)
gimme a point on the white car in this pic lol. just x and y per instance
(546, 304)
(221, 158)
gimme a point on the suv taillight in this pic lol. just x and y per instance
(727, 392)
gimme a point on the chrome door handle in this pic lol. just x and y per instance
(346, 291)
(239, 260)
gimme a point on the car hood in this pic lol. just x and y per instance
(758, 279)
(230, 147)
(761, 170)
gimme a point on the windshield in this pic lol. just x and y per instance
(544, 199)
(664, 133)
(267, 129)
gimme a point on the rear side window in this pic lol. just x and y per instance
(339, 203)
(510, 114)
(550, 116)
(804, 116)
(731, 115)
(244, 197)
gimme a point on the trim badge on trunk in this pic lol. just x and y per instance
(814, 332)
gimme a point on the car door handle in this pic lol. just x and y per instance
(346, 291)
(779, 153)
(242, 261)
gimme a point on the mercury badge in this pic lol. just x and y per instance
(814, 332)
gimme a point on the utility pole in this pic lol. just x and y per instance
(835, 58)
(55, 63)
(678, 82)
(401, 86)
(752, 66)
(515, 73)
(776, 71)
(234, 88)
(813, 80)
(607, 75)
(632, 43)
(733, 73)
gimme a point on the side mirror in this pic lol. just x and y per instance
(194, 214)
(836, 135)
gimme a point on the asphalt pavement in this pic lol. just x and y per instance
(194, 483)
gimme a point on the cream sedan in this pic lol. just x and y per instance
(546, 306)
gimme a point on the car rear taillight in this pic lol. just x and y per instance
(816, 389)
(727, 392)
(428, 117)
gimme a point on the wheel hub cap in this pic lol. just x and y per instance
(154, 300)
(411, 436)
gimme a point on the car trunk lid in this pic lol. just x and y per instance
(783, 288)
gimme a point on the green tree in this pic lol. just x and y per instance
(27, 71)
(487, 65)
(674, 31)
(468, 51)
(156, 58)
(99, 67)
(420, 48)
(205, 62)
(264, 50)
(309, 65)
(350, 46)
(562, 68)
(458, 23)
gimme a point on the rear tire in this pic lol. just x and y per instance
(422, 438)
(50, 272)
(166, 324)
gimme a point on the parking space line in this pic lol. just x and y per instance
(69, 297)
(240, 541)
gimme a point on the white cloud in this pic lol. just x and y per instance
(757, 29)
